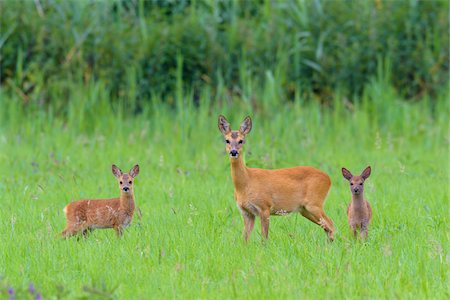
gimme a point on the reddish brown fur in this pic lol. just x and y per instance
(262, 193)
(359, 212)
(86, 215)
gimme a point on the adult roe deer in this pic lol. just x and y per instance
(86, 215)
(359, 212)
(262, 193)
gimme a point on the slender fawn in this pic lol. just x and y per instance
(262, 193)
(86, 215)
(359, 212)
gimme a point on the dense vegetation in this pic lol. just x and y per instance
(188, 242)
(138, 48)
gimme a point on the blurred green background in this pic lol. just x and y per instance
(138, 49)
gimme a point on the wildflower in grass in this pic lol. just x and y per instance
(31, 289)
(38, 296)
(11, 294)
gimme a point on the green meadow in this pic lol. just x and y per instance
(187, 242)
(329, 84)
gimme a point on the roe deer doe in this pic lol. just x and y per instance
(86, 215)
(359, 212)
(262, 193)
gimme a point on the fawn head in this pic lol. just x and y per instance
(125, 179)
(234, 139)
(356, 182)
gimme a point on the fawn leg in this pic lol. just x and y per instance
(355, 231)
(72, 230)
(364, 230)
(249, 222)
(67, 232)
(119, 230)
(86, 232)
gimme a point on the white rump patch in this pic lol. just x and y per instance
(282, 212)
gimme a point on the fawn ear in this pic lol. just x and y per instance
(116, 171)
(366, 173)
(134, 171)
(346, 173)
(223, 124)
(246, 125)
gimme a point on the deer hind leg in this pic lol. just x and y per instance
(318, 216)
(73, 229)
(67, 232)
(86, 232)
(119, 230)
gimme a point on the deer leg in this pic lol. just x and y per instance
(318, 216)
(330, 231)
(86, 232)
(73, 229)
(354, 230)
(67, 232)
(265, 220)
(249, 222)
(364, 230)
(119, 231)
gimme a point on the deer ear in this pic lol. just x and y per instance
(134, 171)
(246, 125)
(346, 173)
(116, 171)
(366, 173)
(223, 124)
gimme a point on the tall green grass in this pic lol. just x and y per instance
(188, 242)
(319, 46)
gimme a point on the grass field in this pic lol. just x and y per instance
(188, 242)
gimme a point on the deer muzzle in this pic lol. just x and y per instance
(234, 153)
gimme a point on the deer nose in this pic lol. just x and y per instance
(126, 189)
(234, 153)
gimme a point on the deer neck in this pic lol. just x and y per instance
(358, 200)
(127, 201)
(239, 173)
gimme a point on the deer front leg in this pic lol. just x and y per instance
(265, 219)
(119, 230)
(354, 229)
(249, 222)
(364, 230)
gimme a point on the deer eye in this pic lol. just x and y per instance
(351, 183)
(361, 183)
(129, 182)
(241, 142)
(227, 141)
(121, 182)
